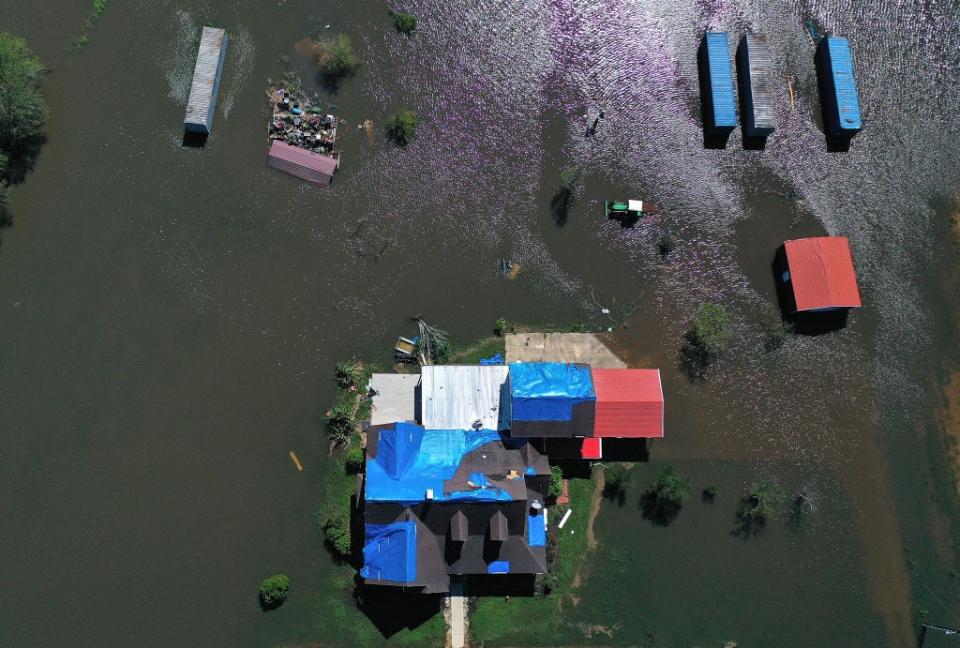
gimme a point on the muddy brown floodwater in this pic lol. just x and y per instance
(169, 317)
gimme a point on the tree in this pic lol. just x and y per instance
(616, 480)
(710, 493)
(405, 22)
(336, 57)
(712, 329)
(763, 501)
(402, 126)
(666, 243)
(665, 497)
(274, 590)
(340, 420)
(23, 111)
(556, 482)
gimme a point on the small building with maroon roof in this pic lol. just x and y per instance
(819, 275)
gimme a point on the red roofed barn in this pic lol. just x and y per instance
(820, 274)
(629, 403)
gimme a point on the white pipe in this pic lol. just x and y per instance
(566, 516)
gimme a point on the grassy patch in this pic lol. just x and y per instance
(531, 620)
(99, 6)
(483, 349)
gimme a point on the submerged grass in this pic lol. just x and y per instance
(99, 6)
(531, 620)
(475, 352)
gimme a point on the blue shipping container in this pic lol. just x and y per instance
(721, 113)
(841, 102)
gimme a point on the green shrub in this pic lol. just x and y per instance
(352, 375)
(340, 421)
(710, 492)
(670, 488)
(502, 327)
(354, 460)
(402, 126)
(273, 590)
(336, 532)
(556, 482)
(405, 22)
(711, 330)
(336, 57)
(763, 500)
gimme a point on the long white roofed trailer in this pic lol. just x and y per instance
(206, 81)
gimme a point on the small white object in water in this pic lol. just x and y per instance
(326, 26)
(605, 311)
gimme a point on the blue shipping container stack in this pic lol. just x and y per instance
(721, 112)
(841, 102)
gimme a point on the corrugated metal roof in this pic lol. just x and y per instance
(453, 397)
(721, 79)
(847, 102)
(629, 403)
(206, 80)
(756, 68)
(822, 273)
(302, 163)
(591, 448)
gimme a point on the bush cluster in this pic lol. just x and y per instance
(274, 590)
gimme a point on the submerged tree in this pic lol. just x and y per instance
(336, 58)
(616, 479)
(763, 501)
(433, 347)
(707, 339)
(402, 126)
(405, 22)
(665, 497)
(23, 110)
(274, 590)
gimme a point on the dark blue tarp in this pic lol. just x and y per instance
(547, 391)
(499, 567)
(410, 460)
(495, 359)
(843, 102)
(536, 530)
(720, 76)
(390, 552)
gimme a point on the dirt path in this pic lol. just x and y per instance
(595, 499)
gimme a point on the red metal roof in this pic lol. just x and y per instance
(592, 448)
(629, 403)
(821, 273)
(302, 163)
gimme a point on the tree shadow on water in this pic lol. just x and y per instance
(560, 206)
(22, 158)
(747, 526)
(657, 510)
(694, 359)
(392, 609)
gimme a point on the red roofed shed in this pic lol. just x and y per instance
(302, 163)
(629, 403)
(821, 273)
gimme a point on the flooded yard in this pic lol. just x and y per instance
(171, 316)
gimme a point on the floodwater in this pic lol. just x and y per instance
(171, 316)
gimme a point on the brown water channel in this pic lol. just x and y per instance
(169, 317)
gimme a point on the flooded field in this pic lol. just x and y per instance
(171, 316)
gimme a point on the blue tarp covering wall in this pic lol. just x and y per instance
(411, 460)
(536, 531)
(840, 87)
(720, 77)
(390, 552)
(547, 391)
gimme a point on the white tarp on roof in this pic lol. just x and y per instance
(453, 397)
(395, 399)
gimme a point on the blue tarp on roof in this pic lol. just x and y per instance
(720, 75)
(410, 460)
(390, 552)
(499, 567)
(536, 531)
(843, 101)
(547, 391)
